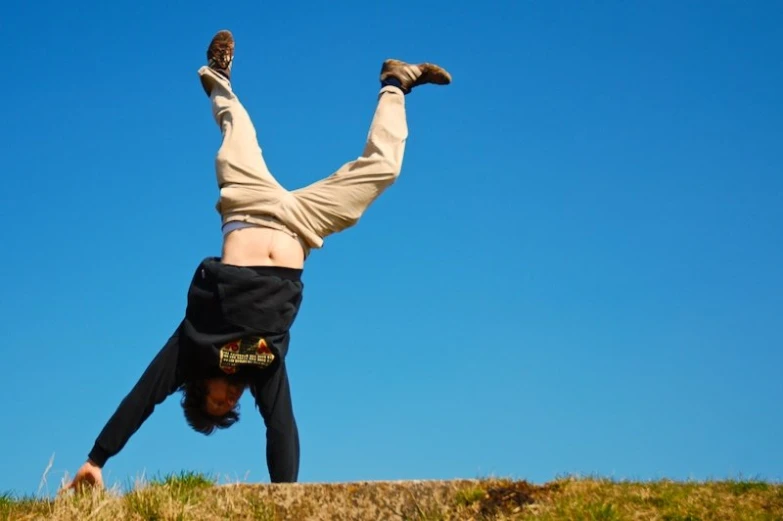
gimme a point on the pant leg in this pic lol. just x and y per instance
(239, 164)
(272, 394)
(338, 201)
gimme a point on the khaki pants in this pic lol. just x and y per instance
(249, 192)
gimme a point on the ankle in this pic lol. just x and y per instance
(391, 81)
(224, 73)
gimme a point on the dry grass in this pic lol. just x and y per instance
(191, 497)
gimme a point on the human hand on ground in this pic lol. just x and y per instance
(88, 475)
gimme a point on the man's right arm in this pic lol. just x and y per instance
(161, 379)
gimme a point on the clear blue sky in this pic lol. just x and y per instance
(579, 270)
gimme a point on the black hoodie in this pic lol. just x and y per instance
(225, 305)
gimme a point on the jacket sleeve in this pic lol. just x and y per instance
(161, 379)
(272, 394)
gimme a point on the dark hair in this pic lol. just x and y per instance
(194, 397)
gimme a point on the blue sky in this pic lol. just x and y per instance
(579, 270)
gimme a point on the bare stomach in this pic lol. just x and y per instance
(262, 247)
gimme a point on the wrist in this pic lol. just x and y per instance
(97, 456)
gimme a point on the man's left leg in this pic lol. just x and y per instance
(338, 201)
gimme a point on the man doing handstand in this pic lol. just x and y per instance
(241, 306)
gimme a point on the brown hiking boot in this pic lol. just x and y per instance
(410, 75)
(220, 57)
(220, 54)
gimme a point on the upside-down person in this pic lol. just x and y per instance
(241, 306)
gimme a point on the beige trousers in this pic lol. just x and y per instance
(249, 192)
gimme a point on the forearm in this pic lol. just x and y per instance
(161, 378)
(134, 409)
(273, 397)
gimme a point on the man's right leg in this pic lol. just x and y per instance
(239, 160)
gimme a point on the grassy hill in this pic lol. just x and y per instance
(192, 496)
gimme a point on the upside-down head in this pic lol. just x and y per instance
(212, 403)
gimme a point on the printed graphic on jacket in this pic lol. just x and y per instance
(252, 351)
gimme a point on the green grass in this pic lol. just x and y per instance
(185, 480)
(11, 506)
(739, 488)
(469, 496)
(167, 496)
(6, 504)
